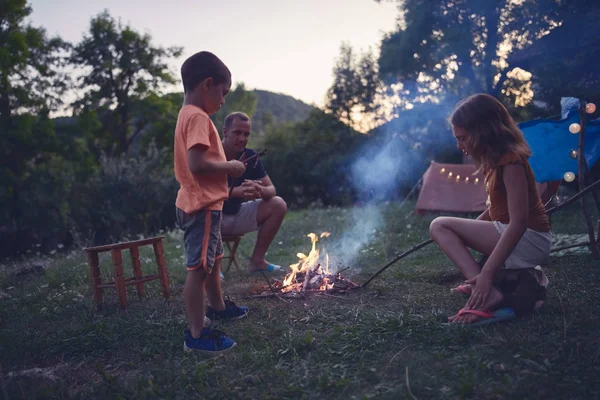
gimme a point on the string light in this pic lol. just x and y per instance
(569, 177)
(458, 177)
(476, 181)
(442, 170)
(467, 179)
(590, 108)
(574, 128)
(450, 175)
(573, 154)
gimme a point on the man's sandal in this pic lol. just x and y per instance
(270, 268)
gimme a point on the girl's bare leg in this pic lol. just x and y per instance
(455, 236)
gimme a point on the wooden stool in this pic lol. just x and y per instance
(138, 279)
(232, 243)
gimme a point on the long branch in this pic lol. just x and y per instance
(573, 198)
(429, 241)
(407, 252)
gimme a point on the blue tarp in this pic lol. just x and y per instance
(551, 142)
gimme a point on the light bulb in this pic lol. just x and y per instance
(476, 180)
(458, 177)
(442, 170)
(573, 154)
(569, 177)
(590, 108)
(574, 128)
(467, 179)
(449, 174)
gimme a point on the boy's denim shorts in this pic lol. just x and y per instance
(201, 238)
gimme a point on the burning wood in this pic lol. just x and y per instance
(309, 276)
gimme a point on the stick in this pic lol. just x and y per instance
(573, 198)
(408, 385)
(262, 153)
(429, 241)
(341, 270)
(569, 246)
(233, 181)
(271, 287)
(395, 260)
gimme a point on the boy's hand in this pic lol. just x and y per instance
(236, 168)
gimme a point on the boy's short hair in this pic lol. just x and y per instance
(200, 66)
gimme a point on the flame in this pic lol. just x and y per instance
(309, 263)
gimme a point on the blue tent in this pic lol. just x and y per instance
(551, 142)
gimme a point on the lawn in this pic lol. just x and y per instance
(386, 341)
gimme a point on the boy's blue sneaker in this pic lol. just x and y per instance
(231, 311)
(211, 341)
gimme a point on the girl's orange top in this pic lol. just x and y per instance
(498, 207)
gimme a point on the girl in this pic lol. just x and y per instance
(514, 232)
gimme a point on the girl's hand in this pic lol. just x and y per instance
(482, 288)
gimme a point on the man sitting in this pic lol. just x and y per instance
(252, 203)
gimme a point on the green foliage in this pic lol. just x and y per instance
(316, 154)
(277, 108)
(120, 65)
(30, 64)
(355, 86)
(155, 118)
(126, 197)
(562, 61)
(31, 83)
(238, 99)
(456, 47)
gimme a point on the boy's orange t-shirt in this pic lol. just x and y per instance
(197, 192)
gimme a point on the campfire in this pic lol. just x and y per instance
(311, 274)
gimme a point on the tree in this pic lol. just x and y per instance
(238, 99)
(355, 87)
(119, 66)
(563, 61)
(30, 64)
(460, 47)
(317, 153)
(31, 83)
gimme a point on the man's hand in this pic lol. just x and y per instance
(235, 168)
(251, 190)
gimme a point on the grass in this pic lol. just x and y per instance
(384, 342)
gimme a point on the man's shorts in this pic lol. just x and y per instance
(201, 238)
(242, 222)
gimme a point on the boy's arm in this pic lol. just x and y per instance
(199, 164)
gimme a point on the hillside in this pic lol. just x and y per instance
(280, 107)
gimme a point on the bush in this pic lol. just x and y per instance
(129, 196)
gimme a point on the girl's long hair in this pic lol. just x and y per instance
(491, 130)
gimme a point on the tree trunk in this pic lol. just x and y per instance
(492, 20)
(123, 128)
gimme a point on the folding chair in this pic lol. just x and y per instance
(231, 242)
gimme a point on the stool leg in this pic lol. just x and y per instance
(94, 264)
(137, 269)
(163, 273)
(233, 257)
(119, 281)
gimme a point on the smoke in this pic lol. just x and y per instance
(388, 166)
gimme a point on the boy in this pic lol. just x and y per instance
(201, 170)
